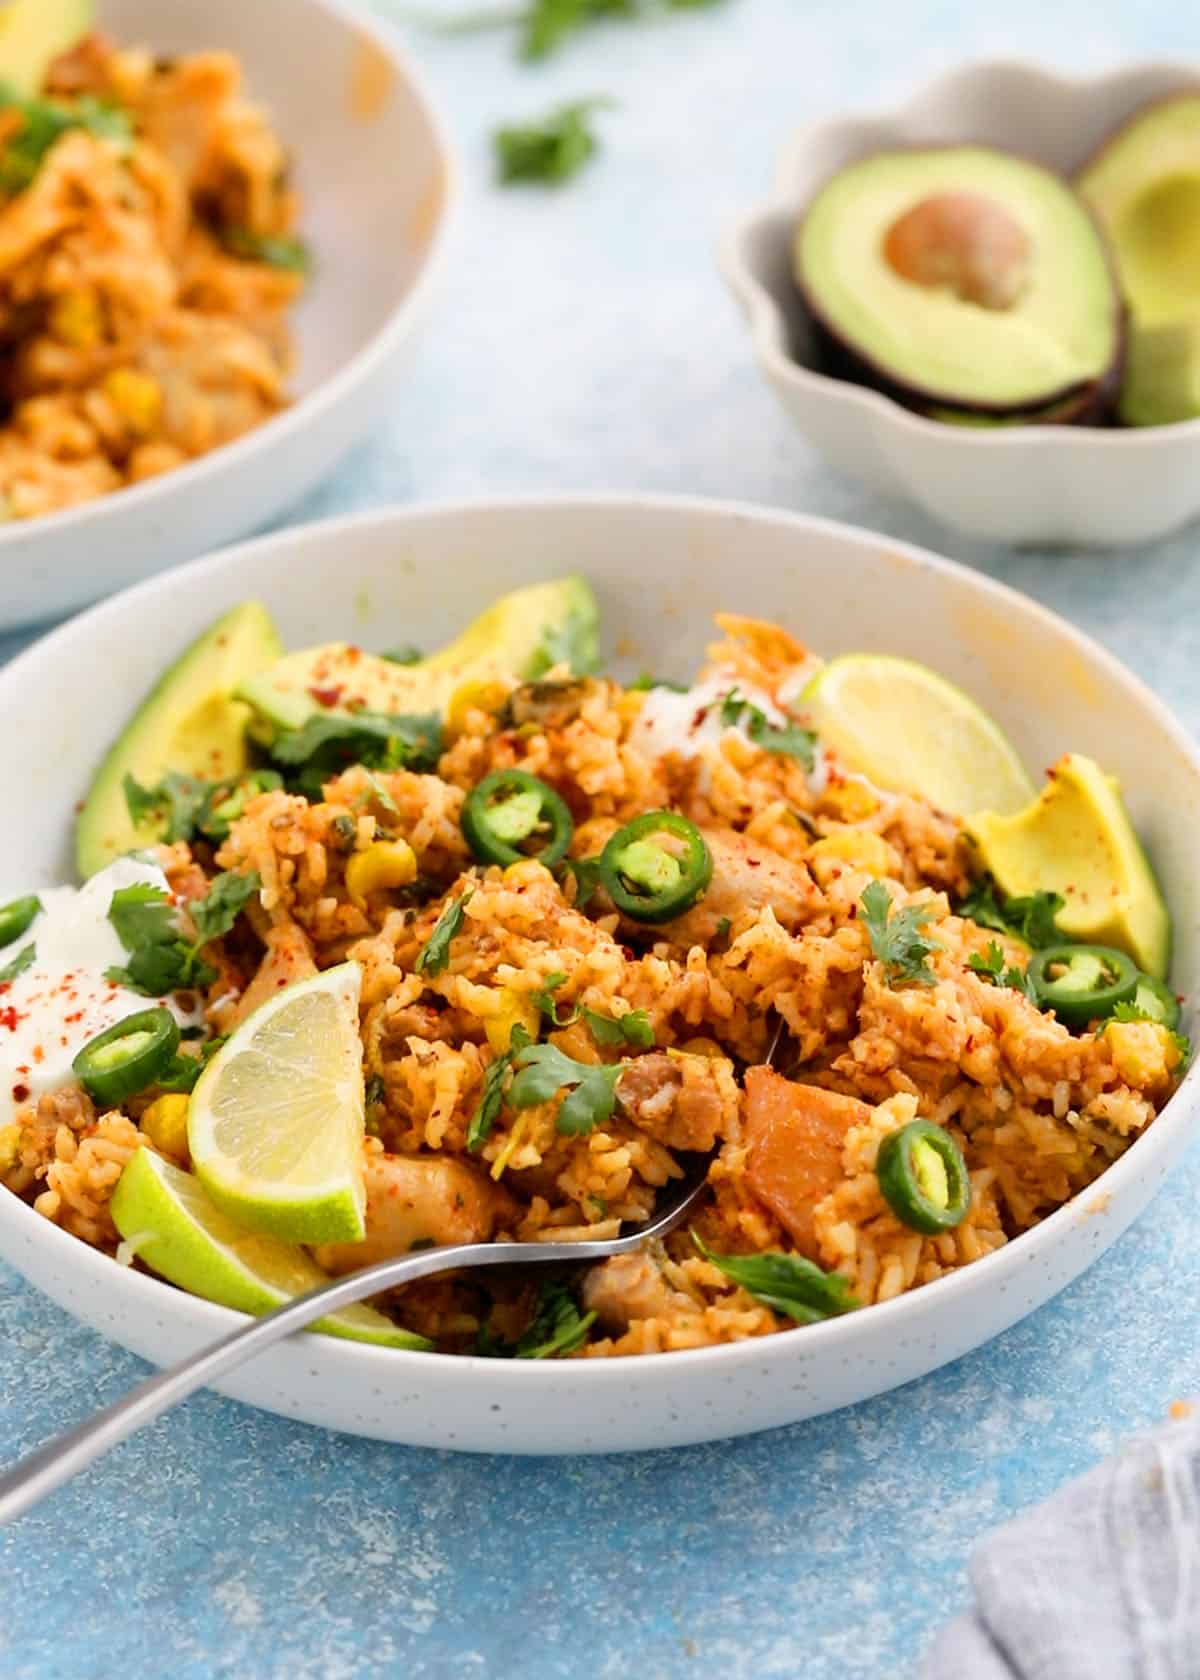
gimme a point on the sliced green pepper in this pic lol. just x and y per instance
(1082, 983)
(1156, 1002)
(923, 1178)
(16, 917)
(509, 808)
(122, 1061)
(647, 881)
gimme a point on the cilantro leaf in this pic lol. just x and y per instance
(631, 1028)
(407, 654)
(227, 897)
(788, 740)
(544, 1000)
(557, 1326)
(787, 1283)
(1031, 918)
(187, 806)
(544, 1071)
(435, 953)
(586, 872)
(18, 964)
(328, 742)
(647, 681)
(991, 967)
(182, 1072)
(285, 251)
(43, 123)
(491, 1097)
(896, 938)
(161, 959)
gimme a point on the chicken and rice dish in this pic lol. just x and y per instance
(597, 932)
(148, 262)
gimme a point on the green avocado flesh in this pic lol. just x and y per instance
(1144, 187)
(1076, 839)
(189, 722)
(521, 636)
(962, 277)
(32, 35)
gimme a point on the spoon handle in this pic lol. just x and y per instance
(49, 1466)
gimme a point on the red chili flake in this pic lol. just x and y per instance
(10, 1017)
(753, 863)
(699, 717)
(327, 696)
(20, 1093)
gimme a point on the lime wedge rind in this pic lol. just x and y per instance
(908, 729)
(179, 1233)
(277, 1141)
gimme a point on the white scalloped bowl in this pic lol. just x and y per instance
(1045, 485)
(374, 170)
(420, 572)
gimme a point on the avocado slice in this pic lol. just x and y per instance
(1144, 187)
(959, 276)
(519, 637)
(189, 722)
(32, 35)
(1076, 839)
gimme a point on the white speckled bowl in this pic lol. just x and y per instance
(1020, 484)
(374, 169)
(660, 568)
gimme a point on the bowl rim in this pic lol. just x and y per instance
(309, 407)
(768, 329)
(546, 1377)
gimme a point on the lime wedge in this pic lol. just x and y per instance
(175, 1229)
(275, 1125)
(907, 729)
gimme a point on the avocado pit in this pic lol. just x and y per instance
(965, 242)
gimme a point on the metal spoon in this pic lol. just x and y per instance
(48, 1467)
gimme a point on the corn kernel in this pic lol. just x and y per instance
(849, 801)
(75, 320)
(1139, 1052)
(165, 1124)
(136, 398)
(384, 864)
(706, 1047)
(10, 1144)
(527, 873)
(516, 1009)
(858, 846)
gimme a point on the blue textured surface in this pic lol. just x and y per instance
(584, 340)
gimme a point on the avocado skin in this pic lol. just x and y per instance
(835, 357)
(1088, 405)
(242, 640)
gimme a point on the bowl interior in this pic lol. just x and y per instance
(661, 570)
(367, 157)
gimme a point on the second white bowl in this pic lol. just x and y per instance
(1021, 484)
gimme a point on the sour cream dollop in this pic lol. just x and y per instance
(688, 723)
(62, 1000)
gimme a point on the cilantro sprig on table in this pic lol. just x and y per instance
(544, 25)
(161, 957)
(550, 150)
(896, 937)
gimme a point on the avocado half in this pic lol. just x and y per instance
(189, 722)
(1144, 187)
(32, 35)
(961, 278)
(518, 638)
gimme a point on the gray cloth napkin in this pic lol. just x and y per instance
(1102, 1582)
